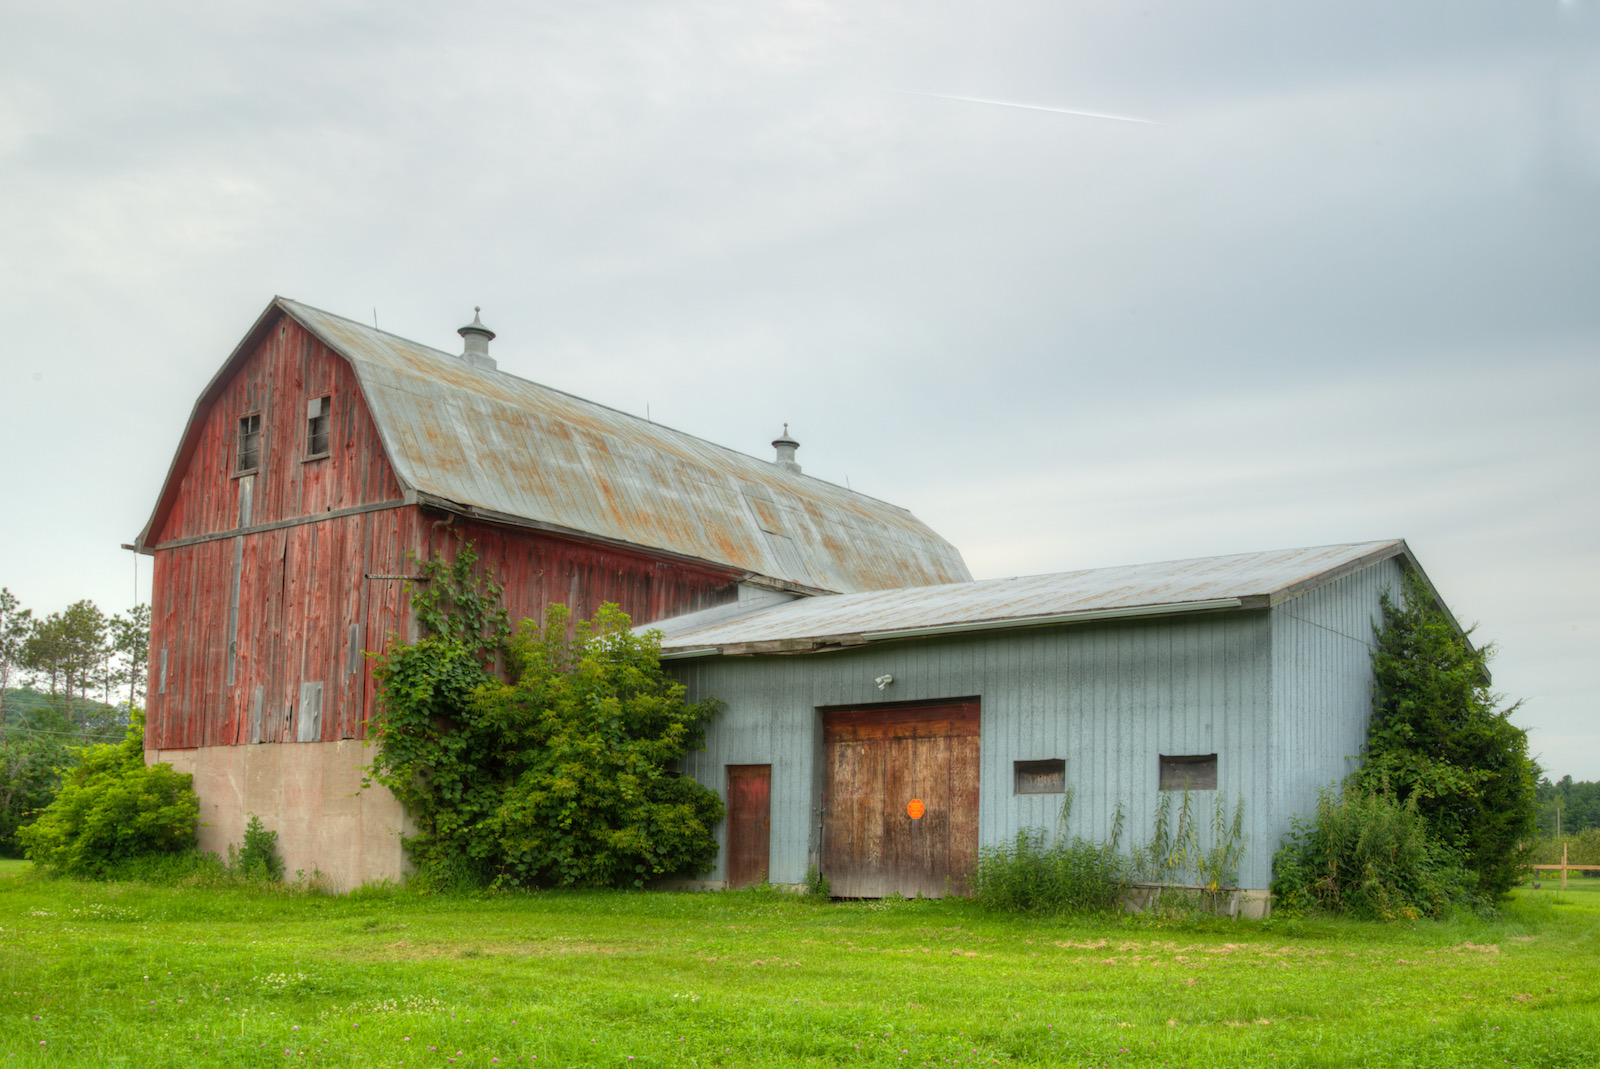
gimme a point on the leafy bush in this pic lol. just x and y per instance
(1439, 737)
(1036, 874)
(29, 775)
(1371, 856)
(563, 776)
(258, 857)
(113, 807)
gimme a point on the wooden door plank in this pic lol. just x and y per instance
(876, 761)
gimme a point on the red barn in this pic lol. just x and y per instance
(327, 457)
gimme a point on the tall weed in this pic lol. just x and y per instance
(1371, 856)
(1174, 854)
(1038, 873)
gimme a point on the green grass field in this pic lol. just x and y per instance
(135, 975)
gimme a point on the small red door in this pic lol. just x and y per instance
(749, 823)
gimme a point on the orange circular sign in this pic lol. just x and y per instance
(915, 809)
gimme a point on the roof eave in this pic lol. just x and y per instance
(483, 515)
(827, 643)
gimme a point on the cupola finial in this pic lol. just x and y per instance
(786, 446)
(475, 340)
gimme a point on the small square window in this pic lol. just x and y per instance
(249, 458)
(1193, 772)
(317, 411)
(1040, 777)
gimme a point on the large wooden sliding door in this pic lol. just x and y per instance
(901, 790)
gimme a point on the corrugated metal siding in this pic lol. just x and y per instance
(1322, 686)
(488, 439)
(1109, 699)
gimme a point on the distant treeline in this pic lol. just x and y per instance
(67, 679)
(1568, 807)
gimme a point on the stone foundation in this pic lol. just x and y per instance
(310, 793)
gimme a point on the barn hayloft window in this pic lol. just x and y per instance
(317, 410)
(1039, 777)
(249, 444)
(1191, 772)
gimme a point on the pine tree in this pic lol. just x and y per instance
(1439, 734)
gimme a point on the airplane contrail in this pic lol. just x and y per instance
(1030, 107)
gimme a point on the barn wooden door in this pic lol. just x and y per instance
(901, 790)
(749, 823)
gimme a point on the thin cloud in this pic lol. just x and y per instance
(1031, 107)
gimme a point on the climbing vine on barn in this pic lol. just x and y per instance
(544, 757)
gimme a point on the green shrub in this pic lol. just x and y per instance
(816, 884)
(30, 772)
(1371, 856)
(1033, 875)
(565, 776)
(258, 857)
(1036, 873)
(113, 807)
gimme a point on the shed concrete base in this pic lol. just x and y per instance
(310, 793)
(1239, 903)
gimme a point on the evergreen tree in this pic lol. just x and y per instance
(15, 624)
(1440, 735)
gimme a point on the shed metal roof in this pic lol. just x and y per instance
(507, 449)
(1239, 581)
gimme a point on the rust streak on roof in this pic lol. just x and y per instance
(503, 444)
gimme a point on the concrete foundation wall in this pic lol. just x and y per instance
(310, 794)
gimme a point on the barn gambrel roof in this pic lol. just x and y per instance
(484, 443)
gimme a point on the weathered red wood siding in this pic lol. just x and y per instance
(288, 367)
(303, 587)
(538, 570)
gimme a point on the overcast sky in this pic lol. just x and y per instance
(1343, 284)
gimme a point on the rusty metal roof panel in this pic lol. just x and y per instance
(490, 440)
(1243, 580)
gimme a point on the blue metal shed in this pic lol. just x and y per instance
(1260, 660)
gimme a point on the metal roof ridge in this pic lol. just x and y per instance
(280, 300)
(1189, 560)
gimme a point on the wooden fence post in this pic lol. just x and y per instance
(1563, 866)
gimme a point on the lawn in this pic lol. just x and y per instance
(137, 975)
